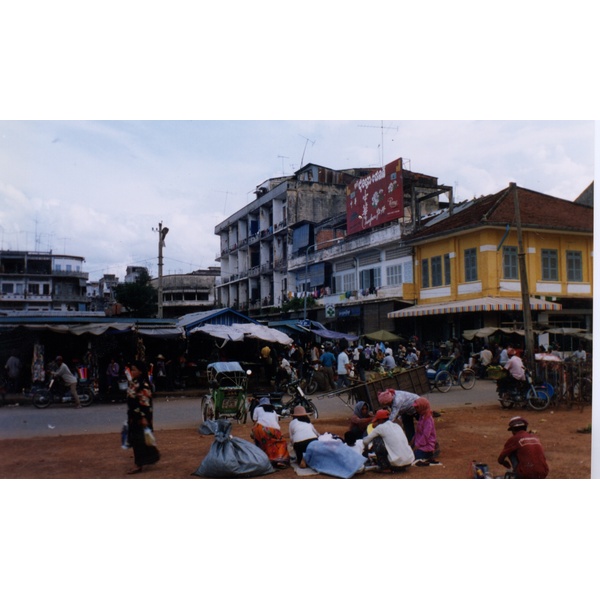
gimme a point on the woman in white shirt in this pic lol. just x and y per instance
(302, 432)
(267, 434)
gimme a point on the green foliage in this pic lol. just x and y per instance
(297, 304)
(139, 298)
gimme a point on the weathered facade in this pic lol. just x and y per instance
(42, 281)
(189, 293)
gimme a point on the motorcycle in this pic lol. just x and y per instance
(58, 393)
(285, 408)
(525, 394)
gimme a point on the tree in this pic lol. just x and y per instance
(139, 298)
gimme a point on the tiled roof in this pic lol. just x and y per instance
(538, 211)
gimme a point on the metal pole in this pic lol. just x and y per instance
(306, 278)
(160, 267)
(527, 324)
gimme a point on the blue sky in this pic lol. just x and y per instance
(98, 188)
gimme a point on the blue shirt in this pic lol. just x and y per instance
(327, 359)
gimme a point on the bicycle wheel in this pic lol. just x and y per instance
(506, 401)
(538, 399)
(443, 381)
(467, 379)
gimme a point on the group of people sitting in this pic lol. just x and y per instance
(378, 441)
(374, 441)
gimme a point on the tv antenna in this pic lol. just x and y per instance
(305, 145)
(282, 167)
(64, 241)
(383, 128)
(226, 196)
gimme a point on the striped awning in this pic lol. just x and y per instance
(487, 304)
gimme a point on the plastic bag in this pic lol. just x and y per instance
(149, 437)
(230, 456)
(125, 436)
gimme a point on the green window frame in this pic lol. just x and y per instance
(470, 255)
(425, 273)
(549, 265)
(510, 262)
(574, 265)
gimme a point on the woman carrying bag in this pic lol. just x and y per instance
(139, 418)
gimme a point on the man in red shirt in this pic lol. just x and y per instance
(523, 452)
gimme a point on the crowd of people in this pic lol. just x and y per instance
(401, 432)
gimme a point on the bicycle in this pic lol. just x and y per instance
(442, 377)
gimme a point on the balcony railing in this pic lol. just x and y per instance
(78, 274)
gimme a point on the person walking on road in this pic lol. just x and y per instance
(139, 418)
(328, 361)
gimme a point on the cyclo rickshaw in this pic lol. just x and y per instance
(442, 375)
(227, 397)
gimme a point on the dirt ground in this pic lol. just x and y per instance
(465, 434)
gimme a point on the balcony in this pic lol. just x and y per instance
(77, 274)
(282, 225)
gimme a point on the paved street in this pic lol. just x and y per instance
(177, 411)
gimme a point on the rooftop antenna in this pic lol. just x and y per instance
(36, 237)
(282, 168)
(226, 195)
(64, 240)
(382, 132)
(305, 145)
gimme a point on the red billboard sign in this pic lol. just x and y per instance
(375, 199)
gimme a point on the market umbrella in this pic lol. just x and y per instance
(383, 336)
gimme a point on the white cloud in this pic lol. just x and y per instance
(97, 189)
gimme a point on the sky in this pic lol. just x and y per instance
(99, 189)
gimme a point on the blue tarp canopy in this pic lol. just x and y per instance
(320, 330)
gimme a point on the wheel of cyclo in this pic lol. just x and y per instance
(443, 381)
(467, 379)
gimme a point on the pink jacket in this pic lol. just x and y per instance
(425, 436)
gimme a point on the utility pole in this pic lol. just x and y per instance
(527, 324)
(162, 234)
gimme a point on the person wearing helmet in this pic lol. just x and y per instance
(523, 452)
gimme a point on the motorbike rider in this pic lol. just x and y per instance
(69, 379)
(515, 372)
(523, 452)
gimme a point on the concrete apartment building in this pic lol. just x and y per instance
(42, 281)
(314, 237)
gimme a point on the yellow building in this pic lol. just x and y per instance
(466, 265)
